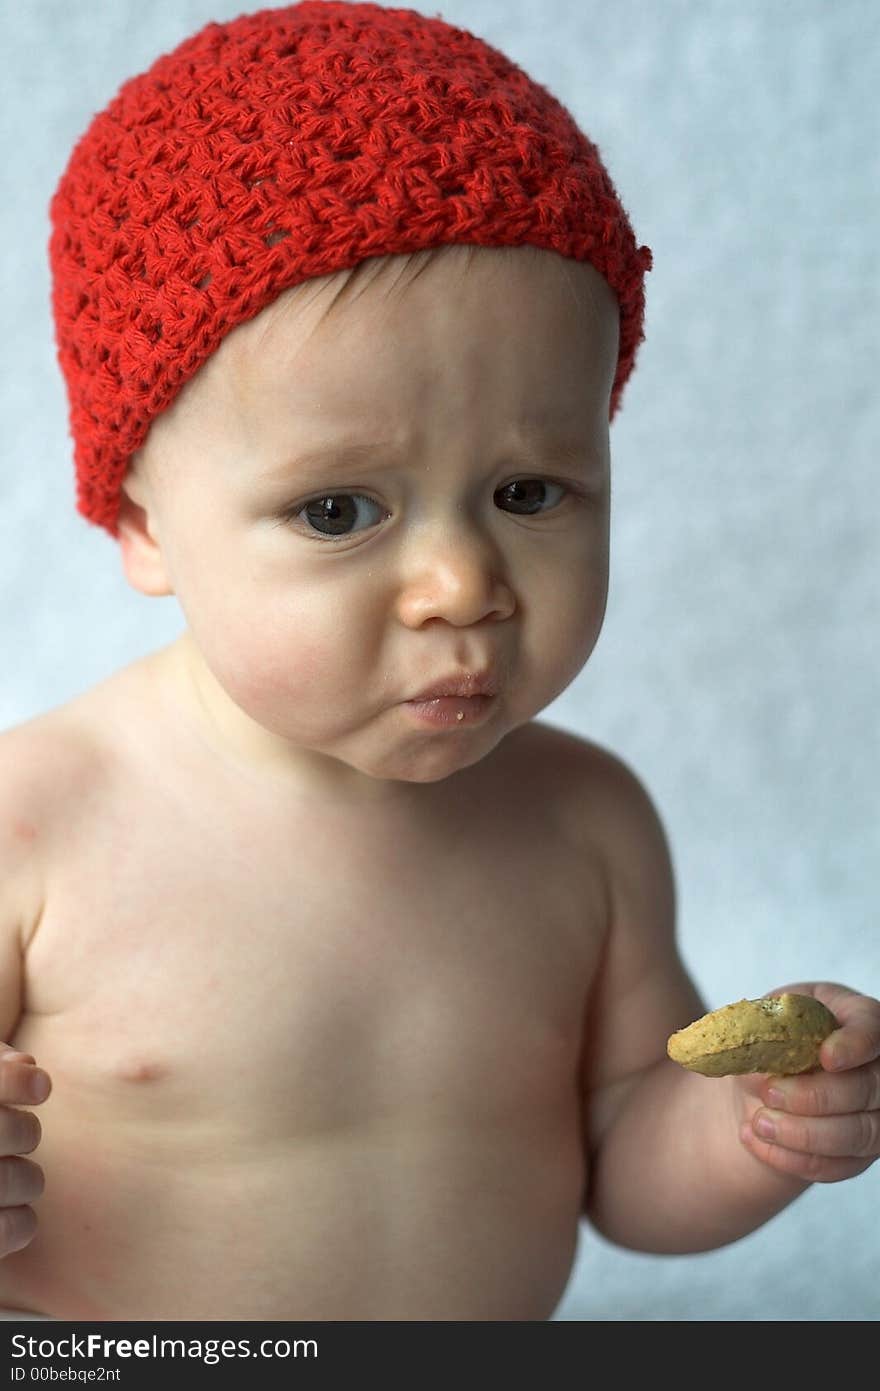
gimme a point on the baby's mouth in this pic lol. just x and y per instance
(451, 711)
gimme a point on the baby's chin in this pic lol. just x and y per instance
(420, 760)
(424, 765)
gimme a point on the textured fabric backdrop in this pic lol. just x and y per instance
(738, 668)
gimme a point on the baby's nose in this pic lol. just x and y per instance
(457, 577)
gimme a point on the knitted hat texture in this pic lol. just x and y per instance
(285, 145)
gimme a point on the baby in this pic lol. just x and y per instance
(343, 983)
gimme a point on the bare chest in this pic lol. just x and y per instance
(327, 971)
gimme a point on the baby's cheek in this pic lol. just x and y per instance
(578, 621)
(275, 679)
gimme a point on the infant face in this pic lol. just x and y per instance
(360, 494)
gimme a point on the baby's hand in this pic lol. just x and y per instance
(21, 1181)
(824, 1125)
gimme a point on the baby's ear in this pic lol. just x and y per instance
(142, 559)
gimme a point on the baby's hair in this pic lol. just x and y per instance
(291, 144)
(392, 275)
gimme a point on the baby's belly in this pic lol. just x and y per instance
(421, 1213)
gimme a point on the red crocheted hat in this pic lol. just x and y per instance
(285, 145)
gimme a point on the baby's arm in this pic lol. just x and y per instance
(22, 1083)
(669, 1172)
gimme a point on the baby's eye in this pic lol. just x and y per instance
(527, 495)
(336, 514)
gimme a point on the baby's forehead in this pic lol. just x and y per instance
(347, 345)
(368, 300)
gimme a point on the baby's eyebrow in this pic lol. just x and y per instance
(335, 457)
(531, 444)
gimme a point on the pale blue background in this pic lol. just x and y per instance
(738, 668)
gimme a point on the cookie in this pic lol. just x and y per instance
(780, 1034)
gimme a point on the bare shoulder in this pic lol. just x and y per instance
(65, 752)
(52, 768)
(600, 809)
(599, 798)
(46, 764)
(48, 758)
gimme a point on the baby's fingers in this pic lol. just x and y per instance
(825, 1094)
(18, 1227)
(857, 1041)
(856, 1136)
(21, 1183)
(815, 1149)
(20, 1131)
(22, 1083)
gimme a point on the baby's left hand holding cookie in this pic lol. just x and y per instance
(824, 1125)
